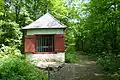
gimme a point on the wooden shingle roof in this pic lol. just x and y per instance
(46, 21)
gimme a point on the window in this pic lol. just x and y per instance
(45, 43)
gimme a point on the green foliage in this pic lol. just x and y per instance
(37, 8)
(10, 33)
(9, 50)
(1, 7)
(99, 33)
(110, 63)
(71, 57)
(14, 68)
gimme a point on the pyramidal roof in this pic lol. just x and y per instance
(46, 21)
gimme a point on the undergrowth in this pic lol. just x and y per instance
(13, 66)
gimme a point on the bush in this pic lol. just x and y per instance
(71, 56)
(15, 68)
(9, 50)
(111, 64)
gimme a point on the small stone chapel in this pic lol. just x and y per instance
(44, 40)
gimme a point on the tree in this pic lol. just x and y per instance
(10, 32)
(37, 8)
(104, 23)
(103, 30)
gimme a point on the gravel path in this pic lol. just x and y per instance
(87, 69)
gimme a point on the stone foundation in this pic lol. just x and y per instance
(41, 60)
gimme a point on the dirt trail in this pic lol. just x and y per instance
(87, 69)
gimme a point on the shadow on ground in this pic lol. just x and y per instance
(87, 69)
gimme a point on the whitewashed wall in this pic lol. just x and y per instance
(45, 31)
